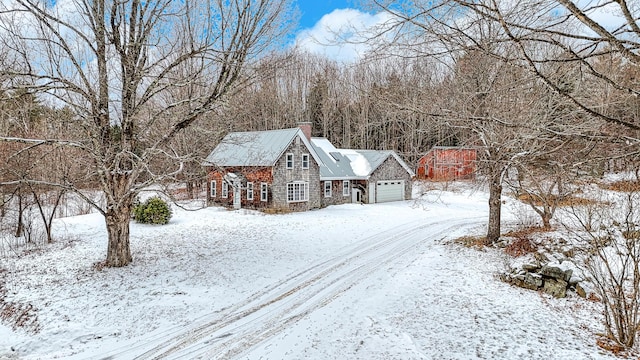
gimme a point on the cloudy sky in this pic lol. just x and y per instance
(333, 27)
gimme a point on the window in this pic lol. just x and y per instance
(297, 192)
(327, 189)
(249, 191)
(289, 161)
(225, 189)
(213, 188)
(263, 192)
(305, 161)
(345, 187)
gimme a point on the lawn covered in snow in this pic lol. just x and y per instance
(376, 281)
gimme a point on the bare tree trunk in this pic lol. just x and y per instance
(546, 219)
(20, 225)
(495, 207)
(117, 217)
(190, 189)
(118, 252)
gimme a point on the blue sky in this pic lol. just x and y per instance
(312, 10)
(335, 28)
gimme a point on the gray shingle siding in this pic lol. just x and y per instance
(283, 176)
(390, 169)
(337, 196)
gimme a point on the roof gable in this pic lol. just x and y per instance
(377, 157)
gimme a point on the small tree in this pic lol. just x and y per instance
(542, 187)
(609, 240)
(153, 211)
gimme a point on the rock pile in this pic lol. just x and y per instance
(551, 279)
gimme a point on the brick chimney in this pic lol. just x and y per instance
(306, 128)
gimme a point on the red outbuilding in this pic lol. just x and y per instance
(447, 163)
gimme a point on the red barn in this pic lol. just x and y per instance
(447, 163)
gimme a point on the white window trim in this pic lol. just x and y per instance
(225, 189)
(289, 163)
(249, 191)
(213, 190)
(305, 161)
(327, 191)
(297, 188)
(264, 192)
(345, 187)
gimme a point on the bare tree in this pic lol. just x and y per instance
(491, 100)
(115, 64)
(576, 36)
(542, 186)
(608, 242)
(549, 35)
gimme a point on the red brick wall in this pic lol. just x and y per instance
(256, 175)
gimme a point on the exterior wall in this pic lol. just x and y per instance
(447, 164)
(337, 196)
(256, 175)
(282, 176)
(390, 169)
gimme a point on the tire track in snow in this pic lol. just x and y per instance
(266, 313)
(177, 334)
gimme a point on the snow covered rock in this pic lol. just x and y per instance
(553, 280)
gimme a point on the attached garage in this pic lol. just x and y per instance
(389, 190)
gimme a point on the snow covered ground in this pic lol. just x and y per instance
(346, 282)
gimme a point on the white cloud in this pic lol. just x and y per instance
(340, 35)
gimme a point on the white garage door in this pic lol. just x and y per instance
(391, 190)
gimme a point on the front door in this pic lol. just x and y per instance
(237, 193)
(356, 196)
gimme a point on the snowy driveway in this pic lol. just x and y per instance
(274, 309)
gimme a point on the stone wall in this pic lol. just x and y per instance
(551, 279)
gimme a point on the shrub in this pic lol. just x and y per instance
(519, 247)
(153, 211)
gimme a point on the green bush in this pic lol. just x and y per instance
(153, 211)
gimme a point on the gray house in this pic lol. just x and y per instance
(287, 169)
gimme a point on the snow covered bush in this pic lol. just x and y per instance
(153, 211)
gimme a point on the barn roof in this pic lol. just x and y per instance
(435, 150)
(255, 148)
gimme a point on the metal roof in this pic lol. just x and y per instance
(349, 163)
(334, 164)
(253, 148)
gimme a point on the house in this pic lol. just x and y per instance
(287, 169)
(447, 163)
